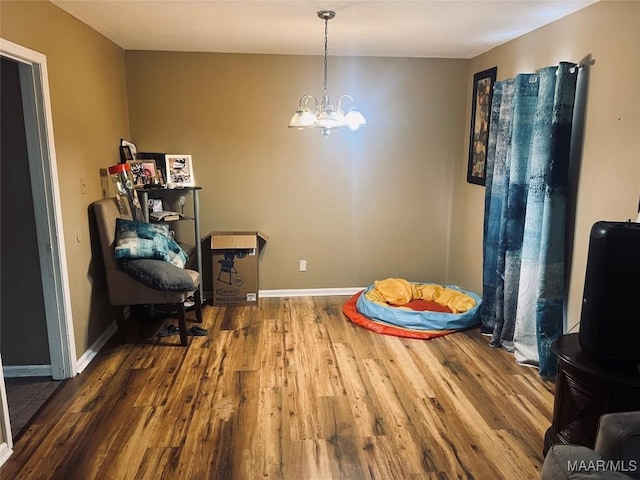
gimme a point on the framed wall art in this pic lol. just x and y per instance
(480, 117)
(179, 170)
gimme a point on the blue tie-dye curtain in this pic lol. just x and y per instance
(525, 202)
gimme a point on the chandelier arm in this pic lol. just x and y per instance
(304, 102)
(337, 103)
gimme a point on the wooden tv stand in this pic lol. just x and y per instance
(585, 390)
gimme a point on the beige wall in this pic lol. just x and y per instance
(89, 109)
(609, 182)
(357, 206)
(390, 199)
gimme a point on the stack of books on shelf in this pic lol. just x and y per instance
(165, 216)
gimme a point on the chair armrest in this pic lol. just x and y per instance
(576, 462)
(619, 439)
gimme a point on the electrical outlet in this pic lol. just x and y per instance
(303, 265)
(83, 186)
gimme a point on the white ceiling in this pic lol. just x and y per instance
(395, 28)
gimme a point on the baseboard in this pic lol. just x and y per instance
(5, 452)
(12, 371)
(85, 359)
(310, 292)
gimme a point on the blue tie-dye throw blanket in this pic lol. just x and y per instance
(147, 240)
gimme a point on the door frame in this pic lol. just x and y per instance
(6, 440)
(34, 82)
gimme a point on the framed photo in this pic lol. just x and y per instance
(179, 170)
(160, 164)
(155, 205)
(480, 117)
(143, 172)
(125, 146)
(125, 154)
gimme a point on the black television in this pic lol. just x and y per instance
(610, 318)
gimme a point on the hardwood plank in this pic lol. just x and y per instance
(198, 460)
(291, 389)
(403, 367)
(18, 461)
(365, 411)
(308, 353)
(448, 447)
(123, 462)
(171, 426)
(243, 352)
(215, 373)
(404, 436)
(115, 422)
(384, 460)
(307, 459)
(91, 397)
(160, 376)
(157, 463)
(56, 451)
(485, 439)
(344, 445)
(244, 424)
(272, 346)
(267, 450)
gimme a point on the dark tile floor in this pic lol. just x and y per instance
(25, 395)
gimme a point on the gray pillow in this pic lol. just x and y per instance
(158, 274)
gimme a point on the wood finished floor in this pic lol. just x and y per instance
(292, 390)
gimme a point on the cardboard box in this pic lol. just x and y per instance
(234, 260)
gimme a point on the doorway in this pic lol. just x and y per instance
(20, 280)
(23, 328)
(53, 302)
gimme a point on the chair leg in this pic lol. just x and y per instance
(182, 324)
(121, 322)
(198, 300)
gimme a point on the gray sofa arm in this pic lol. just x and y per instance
(616, 455)
(618, 440)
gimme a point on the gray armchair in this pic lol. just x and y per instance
(125, 290)
(616, 454)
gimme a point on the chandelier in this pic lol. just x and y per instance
(325, 114)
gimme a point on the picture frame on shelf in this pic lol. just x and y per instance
(179, 169)
(160, 164)
(479, 132)
(144, 172)
(128, 151)
(125, 154)
(155, 205)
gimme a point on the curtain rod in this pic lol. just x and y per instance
(585, 62)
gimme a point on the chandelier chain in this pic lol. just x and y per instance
(326, 32)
